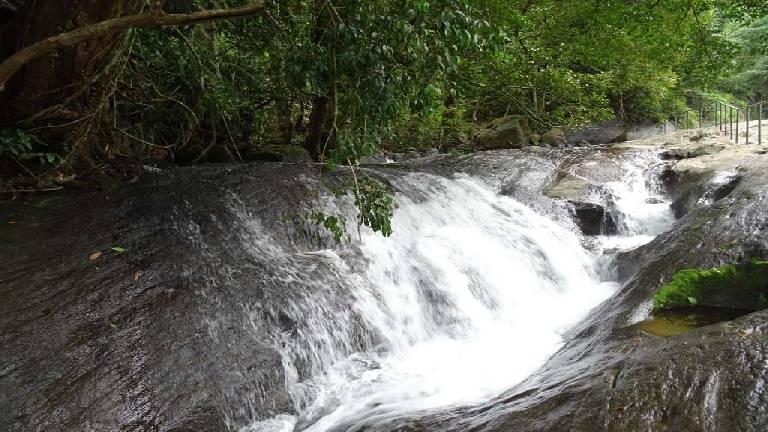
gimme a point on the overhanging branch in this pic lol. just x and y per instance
(152, 18)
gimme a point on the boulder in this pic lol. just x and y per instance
(698, 136)
(571, 188)
(593, 219)
(504, 133)
(681, 153)
(456, 140)
(554, 137)
(607, 132)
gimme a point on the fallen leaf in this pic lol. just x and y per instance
(94, 256)
(118, 249)
(113, 326)
(136, 275)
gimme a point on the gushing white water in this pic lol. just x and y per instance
(469, 296)
(643, 211)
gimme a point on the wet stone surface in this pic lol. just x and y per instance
(153, 338)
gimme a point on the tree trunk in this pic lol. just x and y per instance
(318, 131)
(60, 75)
(322, 105)
(67, 90)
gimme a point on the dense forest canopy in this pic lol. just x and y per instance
(344, 79)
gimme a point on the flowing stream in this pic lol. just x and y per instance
(469, 296)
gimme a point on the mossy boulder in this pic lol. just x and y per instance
(553, 137)
(739, 286)
(505, 133)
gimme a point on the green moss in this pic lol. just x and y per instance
(742, 286)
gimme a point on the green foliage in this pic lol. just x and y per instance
(383, 61)
(375, 204)
(751, 62)
(735, 285)
(308, 223)
(335, 224)
(17, 143)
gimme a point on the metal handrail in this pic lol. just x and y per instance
(727, 118)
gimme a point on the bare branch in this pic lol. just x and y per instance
(153, 18)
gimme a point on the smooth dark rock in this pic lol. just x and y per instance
(162, 336)
(593, 219)
(703, 193)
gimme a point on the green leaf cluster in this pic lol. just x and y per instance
(375, 204)
(21, 145)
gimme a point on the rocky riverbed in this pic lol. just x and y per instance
(146, 309)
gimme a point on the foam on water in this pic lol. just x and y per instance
(643, 211)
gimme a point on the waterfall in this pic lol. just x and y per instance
(468, 297)
(642, 209)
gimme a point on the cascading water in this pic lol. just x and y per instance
(643, 211)
(467, 298)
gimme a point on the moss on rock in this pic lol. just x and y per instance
(741, 286)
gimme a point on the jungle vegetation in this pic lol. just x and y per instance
(88, 87)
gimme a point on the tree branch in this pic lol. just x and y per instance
(153, 18)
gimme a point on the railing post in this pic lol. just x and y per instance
(687, 120)
(722, 119)
(747, 117)
(719, 117)
(730, 122)
(760, 125)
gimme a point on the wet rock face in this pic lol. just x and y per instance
(593, 219)
(704, 193)
(175, 332)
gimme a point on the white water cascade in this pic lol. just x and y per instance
(470, 295)
(643, 211)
